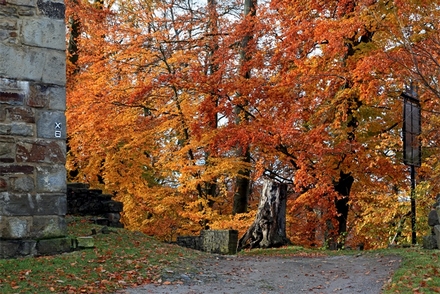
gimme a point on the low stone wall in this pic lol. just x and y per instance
(193, 242)
(212, 241)
(81, 200)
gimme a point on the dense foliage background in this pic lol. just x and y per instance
(180, 108)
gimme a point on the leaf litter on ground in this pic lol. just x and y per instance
(119, 260)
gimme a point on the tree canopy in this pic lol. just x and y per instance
(181, 108)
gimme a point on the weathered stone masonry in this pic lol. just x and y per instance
(32, 128)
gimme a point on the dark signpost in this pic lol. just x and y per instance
(412, 148)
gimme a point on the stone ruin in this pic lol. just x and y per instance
(32, 128)
(432, 241)
(81, 200)
(212, 241)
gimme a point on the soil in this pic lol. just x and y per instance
(361, 273)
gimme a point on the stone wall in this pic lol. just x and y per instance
(219, 241)
(81, 200)
(32, 128)
(212, 241)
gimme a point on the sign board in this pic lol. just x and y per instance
(412, 147)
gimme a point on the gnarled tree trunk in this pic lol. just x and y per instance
(269, 227)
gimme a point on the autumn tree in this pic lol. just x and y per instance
(151, 89)
(411, 31)
(182, 108)
(343, 119)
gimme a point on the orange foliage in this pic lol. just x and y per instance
(152, 109)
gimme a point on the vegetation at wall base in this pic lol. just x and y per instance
(124, 259)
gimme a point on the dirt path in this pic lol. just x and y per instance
(254, 275)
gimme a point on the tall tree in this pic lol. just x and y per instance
(242, 183)
(340, 102)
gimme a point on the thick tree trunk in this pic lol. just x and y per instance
(337, 239)
(242, 188)
(269, 227)
(343, 187)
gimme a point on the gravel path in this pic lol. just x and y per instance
(254, 275)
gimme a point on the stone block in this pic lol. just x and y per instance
(44, 32)
(51, 124)
(37, 96)
(12, 92)
(6, 160)
(8, 11)
(31, 3)
(34, 64)
(193, 242)
(112, 206)
(85, 242)
(54, 67)
(57, 98)
(15, 227)
(20, 114)
(23, 63)
(22, 184)
(53, 246)
(51, 178)
(22, 129)
(30, 205)
(49, 97)
(15, 205)
(17, 129)
(220, 241)
(4, 35)
(9, 30)
(7, 149)
(8, 24)
(429, 242)
(15, 248)
(3, 184)
(5, 129)
(16, 169)
(50, 204)
(51, 9)
(114, 218)
(48, 226)
(11, 98)
(26, 11)
(437, 235)
(41, 151)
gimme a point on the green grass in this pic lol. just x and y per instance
(419, 271)
(120, 259)
(124, 259)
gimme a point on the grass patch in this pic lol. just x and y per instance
(419, 271)
(287, 251)
(120, 259)
(124, 259)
